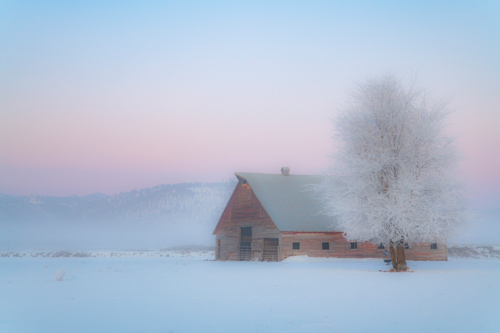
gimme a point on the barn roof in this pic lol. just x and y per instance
(289, 201)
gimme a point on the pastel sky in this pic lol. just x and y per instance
(108, 97)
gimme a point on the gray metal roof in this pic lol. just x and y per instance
(289, 201)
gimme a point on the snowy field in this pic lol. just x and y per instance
(189, 292)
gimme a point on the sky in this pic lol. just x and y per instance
(109, 97)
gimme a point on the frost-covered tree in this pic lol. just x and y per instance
(393, 178)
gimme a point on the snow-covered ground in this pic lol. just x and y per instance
(182, 291)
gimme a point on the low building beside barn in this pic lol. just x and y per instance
(270, 217)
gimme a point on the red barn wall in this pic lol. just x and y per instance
(423, 252)
(243, 210)
(339, 247)
(311, 245)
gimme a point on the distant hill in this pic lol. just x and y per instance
(179, 213)
(179, 203)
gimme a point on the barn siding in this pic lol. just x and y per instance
(311, 245)
(243, 210)
(423, 252)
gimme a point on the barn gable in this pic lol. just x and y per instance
(245, 230)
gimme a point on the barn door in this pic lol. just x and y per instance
(270, 252)
(217, 249)
(245, 244)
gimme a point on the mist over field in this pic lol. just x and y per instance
(151, 218)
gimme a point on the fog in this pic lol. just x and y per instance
(154, 218)
(72, 236)
(483, 227)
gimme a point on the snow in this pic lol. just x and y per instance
(189, 292)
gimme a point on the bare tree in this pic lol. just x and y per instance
(393, 180)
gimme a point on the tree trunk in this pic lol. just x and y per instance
(393, 255)
(401, 258)
(398, 257)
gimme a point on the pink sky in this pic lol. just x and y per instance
(106, 99)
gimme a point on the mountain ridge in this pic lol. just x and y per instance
(146, 204)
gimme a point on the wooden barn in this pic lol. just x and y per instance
(270, 217)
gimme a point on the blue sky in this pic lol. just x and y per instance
(106, 97)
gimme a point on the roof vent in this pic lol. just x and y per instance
(285, 171)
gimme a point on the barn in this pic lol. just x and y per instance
(270, 217)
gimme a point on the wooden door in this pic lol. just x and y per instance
(245, 244)
(270, 251)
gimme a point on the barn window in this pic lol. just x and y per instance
(407, 246)
(354, 245)
(325, 246)
(296, 245)
(434, 246)
(380, 246)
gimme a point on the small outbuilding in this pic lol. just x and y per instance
(270, 217)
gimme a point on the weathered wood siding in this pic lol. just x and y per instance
(424, 252)
(243, 210)
(311, 245)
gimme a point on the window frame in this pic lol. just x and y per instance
(323, 248)
(299, 246)
(353, 245)
(434, 246)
